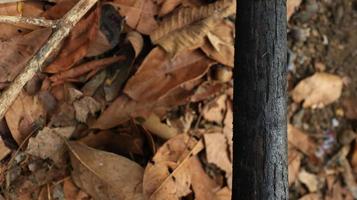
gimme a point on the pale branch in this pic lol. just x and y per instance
(15, 1)
(28, 20)
(38, 61)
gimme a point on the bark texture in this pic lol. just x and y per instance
(260, 122)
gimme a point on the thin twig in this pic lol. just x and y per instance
(28, 20)
(37, 62)
(14, 1)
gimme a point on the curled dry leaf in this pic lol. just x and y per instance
(158, 74)
(105, 175)
(318, 90)
(311, 181)
(16, 52)
(187, 28)
(175, 170)
(24, 116)
(219, 44)
(49, 143)
(29, 9)
(139, 14)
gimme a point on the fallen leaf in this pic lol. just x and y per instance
(49, 143)
(155, 126)
(228, 128)
(220, 43)
(158, 74)
(167, 6)
(71, 191)
(311, 196)
(105, 175)
(301, 141)
(60, 9)
(24, 116)
(139, 14)
(310, 180)
(175, 170)
(84, 107)
(294, 160)
(318, 90)
(77, 44)
(292, 6)
(217, 151)
(224, 194)
(214, 110)
(187, 28)
(17, 51)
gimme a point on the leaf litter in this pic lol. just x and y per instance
(137, 104)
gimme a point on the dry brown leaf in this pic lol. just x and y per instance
(72, 192)
(29, 9)
(292, 6)
(311, 181)
(139, 14)
(167, 6)
(187, 28)
(300, 140)
(214, 110)
(174, 170)
(318, 90)
(294, 165)
(228, 128)
(311, 196)
(16, 52)
(219, 44)
(136, 40)
(77, 44)
(24, 116)
(49, 143)
(84, 107)
(60, 9)
(217, 151)
(224, 194)
(105, 175)
(158, 74)
(155, 126)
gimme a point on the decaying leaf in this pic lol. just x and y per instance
(219, 44)
(71, 191)
(175, 171)
(49, 143)
(139, 14)
(17, 51)
(187, 28)
(217, 151)
(105, 175)
(158, 74)
(24, 116)
(318, 90)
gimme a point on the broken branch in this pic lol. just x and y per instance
(38, 61)
(28, 20)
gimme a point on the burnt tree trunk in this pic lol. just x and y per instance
(260, 122)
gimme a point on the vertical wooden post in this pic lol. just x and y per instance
(260, 103)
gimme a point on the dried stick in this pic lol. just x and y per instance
(36, 63)
(28, 20)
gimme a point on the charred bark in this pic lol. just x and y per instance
(260, 122)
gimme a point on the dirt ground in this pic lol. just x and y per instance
(323, 38)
